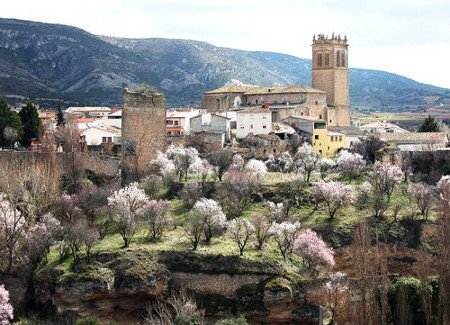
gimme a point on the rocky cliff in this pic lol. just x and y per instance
(120, 286)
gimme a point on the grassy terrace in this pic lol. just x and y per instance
(337, 231)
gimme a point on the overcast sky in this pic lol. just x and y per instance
(407, 37)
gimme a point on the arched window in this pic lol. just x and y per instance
(338, 59)
(218, 103)
(343, 59)
(327, 59)
(319, 60)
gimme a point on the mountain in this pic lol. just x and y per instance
(46, 62)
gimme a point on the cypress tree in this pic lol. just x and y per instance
(59, 115)
(8, 118)
(430, 124)
(30, 121)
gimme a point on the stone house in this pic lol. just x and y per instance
(211, 122)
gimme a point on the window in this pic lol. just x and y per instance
(340, 138)
(332, 138)
(301, 113)
(328, 148)
(320, 116)
(316, 137)
(320, 151)
(109, 139)
(343, 59)
(319, 59)
(327, 59)
(242, 126)
(330, 121)
(104, 139)
(217, 103)
(264, 117)
(175, 122)
(338, 59)
(264, 126)
(256, 101)
(274, 150)
(251, 126)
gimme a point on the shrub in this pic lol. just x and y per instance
(233, 321)
(88, 320)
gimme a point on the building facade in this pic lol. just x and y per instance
(330, 74)
(143, 131)
(253, 121)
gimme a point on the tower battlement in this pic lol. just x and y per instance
(334, 39)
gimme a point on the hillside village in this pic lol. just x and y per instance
(265, 205)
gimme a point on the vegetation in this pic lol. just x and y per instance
(430, 124)
(30, 123)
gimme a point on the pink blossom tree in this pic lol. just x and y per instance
(237, 163)
(182, 158)
(156, 216)
(6, 309)
(46, 232)
(315, 252)
(127, 204)
(305, 160)
(350, 164)
(383, 178)
(284, 234)
(335, 195)
(262, 225)
(422, 195)
(240, 231)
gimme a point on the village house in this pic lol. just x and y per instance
(178, 121)
(98, 135)
(352, 134)
(210, 122)
(87, 111)
(381, 127)
(253, 121)
(417, 141)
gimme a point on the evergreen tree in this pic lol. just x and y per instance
(11, 119)
(59, 115)
(30, 121)
(430, 124)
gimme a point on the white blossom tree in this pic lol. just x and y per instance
(326, 165)
(422, 195)
(277, 211)
(350, 164)
(335, 195)
(127, 204)
(383, 178)
(284, 234)
(6, 309)
(256, 167)
(240, 231)
(306, 160)
(337, 294)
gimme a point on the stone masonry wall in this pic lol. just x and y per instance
(143, 131)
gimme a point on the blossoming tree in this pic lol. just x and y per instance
(335, 195)
(6, 309)
(350, 164)
(240, 231)
(127, 204)
(284, 234)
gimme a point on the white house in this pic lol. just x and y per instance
(178, 121)
(211, 122)
(382, 127)
(97, 135)
(254, 120)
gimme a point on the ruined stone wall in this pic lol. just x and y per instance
(226, 101)
(143, 131)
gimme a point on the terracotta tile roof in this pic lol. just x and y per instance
(284, 89)
(231, 89)
(415, 137)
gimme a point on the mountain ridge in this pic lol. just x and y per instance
(49, 61)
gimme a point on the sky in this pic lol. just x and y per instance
(406, 37)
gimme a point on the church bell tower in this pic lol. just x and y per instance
(330, 74)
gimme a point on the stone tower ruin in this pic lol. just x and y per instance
(143, 131)
(330, 74)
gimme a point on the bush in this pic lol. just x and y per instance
(88, 320)
(233, 321)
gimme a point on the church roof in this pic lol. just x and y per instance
(283, 89)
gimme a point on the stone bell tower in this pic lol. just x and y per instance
(330, 74)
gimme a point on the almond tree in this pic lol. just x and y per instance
(127, 204)
(240, 231)
(305, 160)
(256, 168)
(12, 234)
(383, 178)
(315, 252)
(277, 211)
(182, 159)
(335, 195)
(211, 213)
(350, 164)
(337, 294)
(423, 196)
(326, 165)
(156, 216)
(284, 234)
(6, 309)
(262, 225)
(220, 160)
